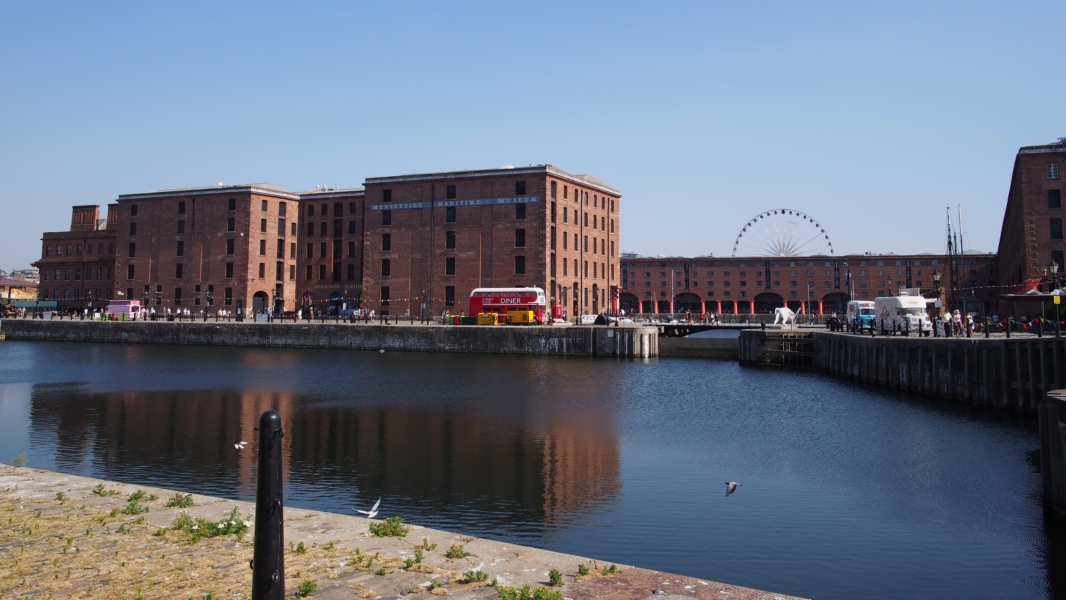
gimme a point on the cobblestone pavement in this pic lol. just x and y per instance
(76, 537)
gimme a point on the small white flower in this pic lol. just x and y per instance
(247, 524)
(221, 525)
(195, 527)
(232, 522)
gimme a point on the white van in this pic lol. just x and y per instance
(902, 310)
(860, 315)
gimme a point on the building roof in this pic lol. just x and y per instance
(1059, 146)
(268, 189)
(328, 192)
(586, 180)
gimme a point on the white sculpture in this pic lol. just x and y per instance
(784, 314)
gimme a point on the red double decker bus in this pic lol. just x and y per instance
(502, 300)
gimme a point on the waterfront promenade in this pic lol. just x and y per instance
(66, 535)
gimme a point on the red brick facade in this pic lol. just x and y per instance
(433, 238)
(1032, 237)
(77, 266)
(818, 284)
(220, 247)
(330, 249)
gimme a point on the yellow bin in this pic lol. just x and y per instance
(486, 319)
(521, 317)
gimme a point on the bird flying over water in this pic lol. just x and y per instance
(241, 445)
(730, 487)
(370, 514)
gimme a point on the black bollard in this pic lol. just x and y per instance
(268, 564)
(1058, 332)
(986, 327)
(1008, 329)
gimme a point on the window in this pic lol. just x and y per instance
(310, 210)
(262, 225)
(229, 246)
(351, 249)
(386, 217)
(449, 294)
(449, 265)
(1052, 170)
(386, 242)
(553, 237)
(520, 187)
(520, 212)
(179, 270)
(292, 227)
(229, 296)
(231, 224)
(553, 212)
(322, 272)
(1056, 257)
(386, 267)
(281, 249)
(229, 270)
(351, 272)
(77, 274)
(292, 250)
(565, 217)
(133, 210)
(181, 226)
(264, 208)
(322, 250)
(565, 238)
(449, 240)
(385, 295)
(449, 214)
(281, 209)
(309, 272)
(386, 195)
(232, 206)
(323, 228)
(310, 230)
(325, 209)
(519, 238)
(351, 208)
(1056, 229)
(1054, 199)
(262, 247)
(351, 227)
(133, 230)
(129, 272)
(519, 265)
(133, 250)
(181, 208)
(586, 219)
(181, 249)
(450, 192)
(262, 270)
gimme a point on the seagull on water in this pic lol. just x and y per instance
(382, 351)
(241, 445)
(370, 514)
(730, 487)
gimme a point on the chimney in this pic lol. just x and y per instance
(112, 216)
(84, 218)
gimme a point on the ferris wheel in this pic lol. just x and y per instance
(782, 232)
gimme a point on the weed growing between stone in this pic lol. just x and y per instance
(456, 551)
(508, 592)
(198, 529)
(390, 527)
(100, 491)
(555, 577)
(19, 461)
(307, 588)
(180, 500)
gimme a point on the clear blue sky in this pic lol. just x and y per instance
(869, 116)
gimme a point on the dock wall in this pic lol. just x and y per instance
(635, 342)
(1013, 374)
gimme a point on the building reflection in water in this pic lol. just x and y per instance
(516, 468)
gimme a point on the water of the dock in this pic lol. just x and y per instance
(71, 536)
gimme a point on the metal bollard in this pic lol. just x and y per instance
(268, 564)
(1007, 327)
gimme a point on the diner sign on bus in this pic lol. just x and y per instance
(450, 203)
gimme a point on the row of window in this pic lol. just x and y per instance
(65, 274)
(809, 263)
(231, 205)
(179, 271)
(77, 296)
(73, 249)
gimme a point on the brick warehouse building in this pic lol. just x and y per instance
(330, 249)
(76, 267)
(228, 247)
(433, 238)
(814, 284)
(1031, 238)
